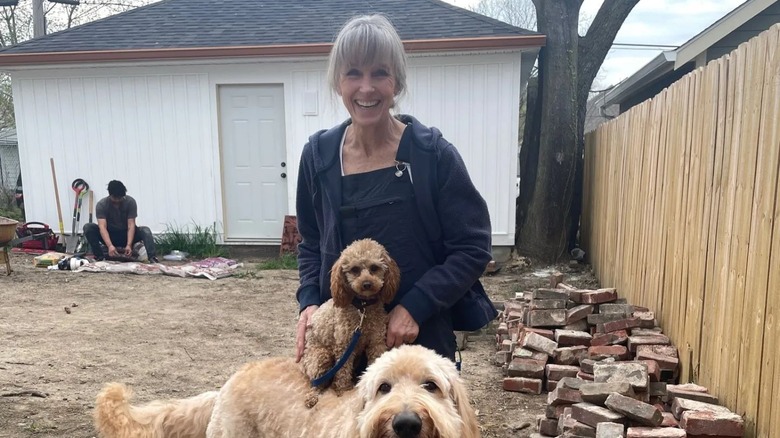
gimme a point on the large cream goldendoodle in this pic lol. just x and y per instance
(409, 392)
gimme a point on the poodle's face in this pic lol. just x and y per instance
(365, 270)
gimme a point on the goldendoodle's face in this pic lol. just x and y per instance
(411, 392)
(364, 270)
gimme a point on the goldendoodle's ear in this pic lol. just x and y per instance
(339, 291)
(466, 412)
(392, 279)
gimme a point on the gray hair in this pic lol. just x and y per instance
(368, 40)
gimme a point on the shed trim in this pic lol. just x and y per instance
(450, 44)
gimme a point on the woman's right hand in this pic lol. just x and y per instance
(304, 322)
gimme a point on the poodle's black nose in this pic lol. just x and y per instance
(367, 285)
(407, 425)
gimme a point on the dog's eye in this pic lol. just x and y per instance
(374, 269)
(384, 388)
(430, 386)
(355, 270)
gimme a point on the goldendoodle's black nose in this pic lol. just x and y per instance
(407, 424)
(367, 285)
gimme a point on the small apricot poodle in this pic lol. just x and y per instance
(362, 281)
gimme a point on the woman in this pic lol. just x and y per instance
(394, 180)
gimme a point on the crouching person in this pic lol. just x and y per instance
(116, 227)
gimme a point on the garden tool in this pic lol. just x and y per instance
(82, 247)
(81, 188)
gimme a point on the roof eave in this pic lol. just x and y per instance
(718, 30)
(657, 67)
(426, 45)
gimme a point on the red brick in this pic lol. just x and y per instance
(612, 338)
(537, 342)
(654, 432)
(547, 304)
(522, 384)
(572, 338)
(502, 358)
(529, 368)
(563, 396)
(585, 376)
(646, 319)
(551, 385)
(665, 350)
(591, 414)
(669, 420)
(549, 334)
(614, 326)
(659, 339)
(668, 363)
(547, 318)
(618, 352)
(578, 313)
(643, 413)
(570, 355)
(550, 294)
(673, 392)
(558, 372)
(554, 411)
(680, 405)
(712, 423)
(598, 296)
(652, 370)
(548, 426)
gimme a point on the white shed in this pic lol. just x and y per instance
(202, 107)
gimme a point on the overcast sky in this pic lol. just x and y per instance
(667, 22)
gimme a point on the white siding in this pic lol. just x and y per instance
(155, 127)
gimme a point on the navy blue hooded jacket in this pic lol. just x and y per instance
(454, 214)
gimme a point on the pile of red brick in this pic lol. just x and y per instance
(609, 370)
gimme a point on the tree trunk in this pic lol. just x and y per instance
(593, 48)
(551, 158)
(545, 220)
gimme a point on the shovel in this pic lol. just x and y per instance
(83, 240)
(81, 188)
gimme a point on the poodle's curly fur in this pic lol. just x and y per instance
(409, 392)
(364, 276)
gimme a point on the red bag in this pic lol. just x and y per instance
(45, 238)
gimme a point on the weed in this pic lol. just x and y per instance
(287, 261)
(200, 242)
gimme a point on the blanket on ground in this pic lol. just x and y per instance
(212, 268)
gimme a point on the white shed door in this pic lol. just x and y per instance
(253, 159)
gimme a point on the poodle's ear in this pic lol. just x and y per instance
(392, 279)
(466, 412)
(339, 291)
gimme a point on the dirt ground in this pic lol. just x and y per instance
(170, 337)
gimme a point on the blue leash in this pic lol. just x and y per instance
(343, 359)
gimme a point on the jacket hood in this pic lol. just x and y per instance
(325, 144)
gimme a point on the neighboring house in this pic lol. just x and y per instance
(202, 107)
(738, 26)
(9, 159)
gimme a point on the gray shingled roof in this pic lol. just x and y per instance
(228, 23)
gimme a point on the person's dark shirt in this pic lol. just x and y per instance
(116, 215)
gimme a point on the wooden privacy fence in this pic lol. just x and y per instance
(682, 215)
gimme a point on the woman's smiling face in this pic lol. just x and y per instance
(368, 93)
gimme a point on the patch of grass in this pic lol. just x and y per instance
(199, 242)
(12, 213)
(287, 261)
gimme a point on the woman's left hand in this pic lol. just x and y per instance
(401, 327)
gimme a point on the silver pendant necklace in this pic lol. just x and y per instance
(400, 166)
